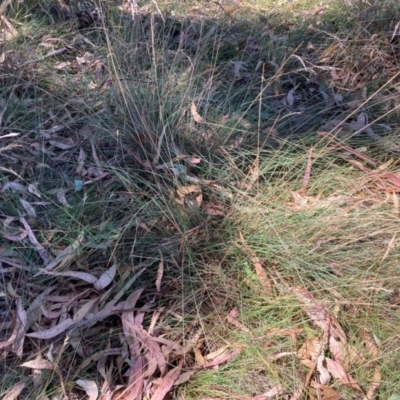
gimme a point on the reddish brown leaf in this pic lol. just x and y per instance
(167, 382)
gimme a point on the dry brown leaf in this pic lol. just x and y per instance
(106, 278)
(82, 312)
(39, 364)
(64, 143)
(128, 323)
(328, 392)
(20, 329)
(273, 392)
(307, 173)
(14, 392)
(338, 372)
(68, 254)
(45, 256)
(54, 331)
(61, 197)
(28, 208)
(136, 380)
(376, 381)
(220, 359)
(84, 276)
(262, 275)
(90, 387)
(159, 276)
(96, 357)
(167, 382)
(232, 320)
(198, 354)
(309, 351)
(196, 116)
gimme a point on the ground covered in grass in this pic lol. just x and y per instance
(200, 200)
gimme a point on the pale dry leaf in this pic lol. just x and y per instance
(82, 312)
(90, 387)
(328, 392)
(33, 189)
(324, 375)
(84, 276)
(61, 197)
(64, 143)
(11, 291)
(290, 98)
(337, 370)
(54, 331)
(196, 116)
(213, 355)
(45, 256)
(200, 360)
(376, 382)
(273, 392)
(12, 134)
(15, 186)
(14, 392)
(220, 359)
(370, 344)
(68, 254)
(232, 320)
(81, 162)
(310, 350)
(106, 278)
(159, 276)
(20, 328)
(39, 364)
(28, 208)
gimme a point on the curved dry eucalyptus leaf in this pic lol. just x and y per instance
(39, 364)
(63, 143)
(325, 376)
(159, 276)
(106, 278)
(84, 276)
(61, 197)
(28, 208)
(45, 256)
(20, 329)
(196, 116)
(338, 372)
(14, 392)
(81, 313)
(54, 331)
(67, 254)
(15, 186)
(32, 188)
(167, 382)
(89, 387)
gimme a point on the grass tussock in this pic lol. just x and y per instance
(199, 201)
